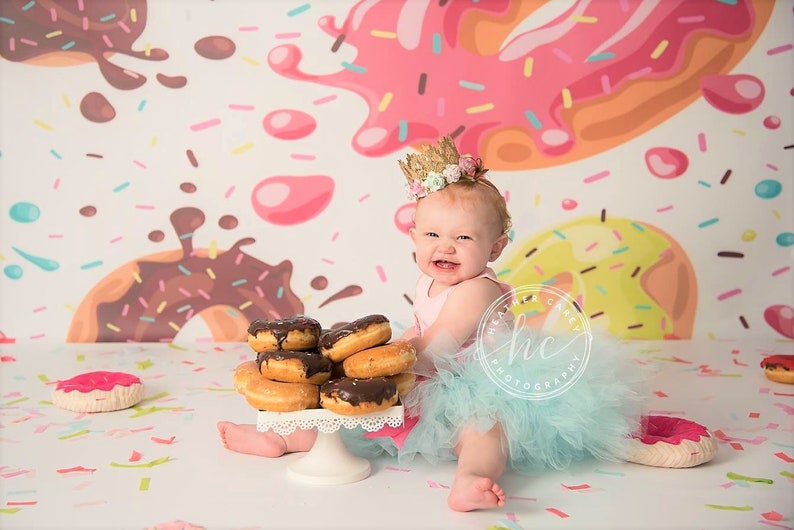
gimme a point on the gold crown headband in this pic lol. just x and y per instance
(438, 166)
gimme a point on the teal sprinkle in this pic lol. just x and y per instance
(186, 236)
(533, 119)
(601, 290)
(233, 313)
(146, 319)
(638, 226)
(403, 133)
(280, 292)
(141, 105)
(44, 263)
(620, 250)
(68, 45)
(107, 17)
(7, 20)
(503, 272)
(91, 265)
(183, 270)
(298, 10)
(235, 283)
(530, 313)
(704, 183)
(121, 186)
(471, 86)
(643, 307)
(728, 2)
(354, 67)
(549, 281)
(710, 222)
(183, 308)
(559, 234)
(29, 5)
(601, 57)
(54, 153)
(436, 43)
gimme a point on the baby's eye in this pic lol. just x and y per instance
(464, 237)
(432, 234)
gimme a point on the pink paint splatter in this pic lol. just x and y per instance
(781, 318)
(666, 162)
(734, 94)
(289, 200)
(287, 124)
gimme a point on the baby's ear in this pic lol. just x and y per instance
(498, 246)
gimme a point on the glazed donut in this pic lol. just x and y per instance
(243, 373)
(151, 298)
(294, 334)
(276, 396)
(389, 359)
(595, 255)
(295, 366)
(98, 392)
(340, 343)
(349, 395)
(779, 368)
(405, 382)
(671, 442)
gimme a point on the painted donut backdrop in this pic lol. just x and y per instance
(171, 171)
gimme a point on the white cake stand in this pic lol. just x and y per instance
(328, 461)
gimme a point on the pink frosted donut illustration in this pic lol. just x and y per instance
(592, 76)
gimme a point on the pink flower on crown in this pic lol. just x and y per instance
(416, 190)
(451, 173)
(468, 166)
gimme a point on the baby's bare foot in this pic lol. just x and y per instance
(246, 439)
(472, 492)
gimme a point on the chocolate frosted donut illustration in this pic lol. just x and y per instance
(588, 78)
(66, 33)
(151, 298)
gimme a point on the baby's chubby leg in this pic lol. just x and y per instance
(245, 438)
(481, 461)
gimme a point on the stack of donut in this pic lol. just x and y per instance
(352, 369)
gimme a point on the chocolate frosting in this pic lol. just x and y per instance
(357, 391)
(329, 337)
(313, 361)
(281, 328)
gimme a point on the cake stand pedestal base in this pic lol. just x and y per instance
(328, 461)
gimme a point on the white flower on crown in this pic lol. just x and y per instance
(452, 173)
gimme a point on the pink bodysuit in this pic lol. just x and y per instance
(427, 308)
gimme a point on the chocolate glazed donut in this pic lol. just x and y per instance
(349, 395)
(295, 366)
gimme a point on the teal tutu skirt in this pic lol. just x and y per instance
(558, 399)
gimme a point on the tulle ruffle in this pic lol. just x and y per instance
(558, 399)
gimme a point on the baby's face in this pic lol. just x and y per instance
(454, 238)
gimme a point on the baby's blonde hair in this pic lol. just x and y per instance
(488, 192)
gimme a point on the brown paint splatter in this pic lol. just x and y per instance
(88, 211)
(215, 47)
(228, 222)
(188, 187)
(95, 107)
(156, 236)
(347, 292)
(319, 282)
(176, 81)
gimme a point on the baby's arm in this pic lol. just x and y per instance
(458, 320)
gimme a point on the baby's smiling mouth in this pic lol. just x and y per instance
(443, 264)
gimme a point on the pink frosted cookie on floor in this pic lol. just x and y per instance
(98, 392)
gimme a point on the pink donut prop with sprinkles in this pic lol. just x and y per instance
(671, 442)
(99, 391)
